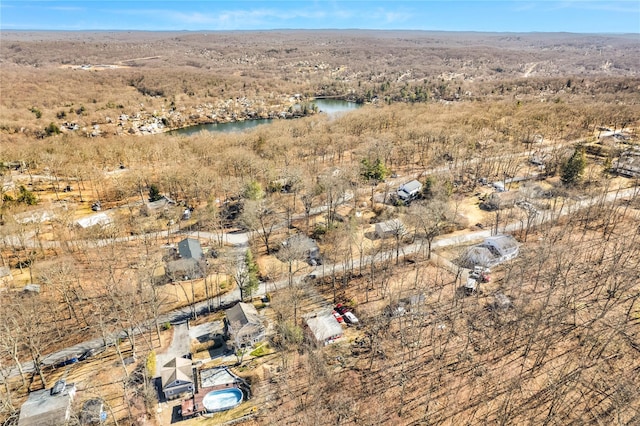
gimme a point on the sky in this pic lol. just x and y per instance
(578, 16)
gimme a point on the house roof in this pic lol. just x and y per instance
(189, 248)
(94, 219)
(243, 313)
(178, 369)
(324, 326)
(37, 216)
(411, 187)
(477, 255)
(164, 201)
(503, 243)
(390, 226)
(44, 409)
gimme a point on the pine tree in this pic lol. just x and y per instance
(573, 169)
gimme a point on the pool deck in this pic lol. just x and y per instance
(194, 405)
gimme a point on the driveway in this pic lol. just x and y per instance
(179, 346)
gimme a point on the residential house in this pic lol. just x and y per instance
(189, 265)
(303, 246)
(410, 190)
(177, 378)
(323, 328)
(504, 247)
(628, 164)
(390, 228)
(492, 251)
(501, 200)
(101, 219)
(190, 248)
(244, 325)
(48, 407)
(37, 216)
(161, 205)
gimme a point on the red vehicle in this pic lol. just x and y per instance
(341, 309)
(338, 317)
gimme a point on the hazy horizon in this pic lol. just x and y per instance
(507, 16)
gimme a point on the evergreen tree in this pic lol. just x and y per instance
(154, 193)
(251, 283)
(573, 168)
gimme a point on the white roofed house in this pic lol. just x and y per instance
(492, 251)
(324, 328)
(177, 378)
(504, 247)
(410, 190)
(101, 219)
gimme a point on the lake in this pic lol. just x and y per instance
(328, 106)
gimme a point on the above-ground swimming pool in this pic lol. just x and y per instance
(223, 399)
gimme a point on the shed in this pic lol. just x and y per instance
(409, 190)
(190, 248)
(177, 378)
(324, 328)
(244, 325)
(48, 407)
(390, 228)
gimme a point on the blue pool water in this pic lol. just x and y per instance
(223, 399)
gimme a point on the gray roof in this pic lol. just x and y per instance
(391, 226)
(43, 409)
(503, 243)
(411, 187)
(324, 327)
(189, 248)
(177, 370)
(243, 313)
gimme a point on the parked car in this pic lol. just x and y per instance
(480, 274)
(471, 286)
(338, 317)
(350, 318)
(90, 352)
(67, 361)
(341, 309)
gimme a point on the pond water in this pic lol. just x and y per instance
(328, 106)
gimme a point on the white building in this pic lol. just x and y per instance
(409, 190)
